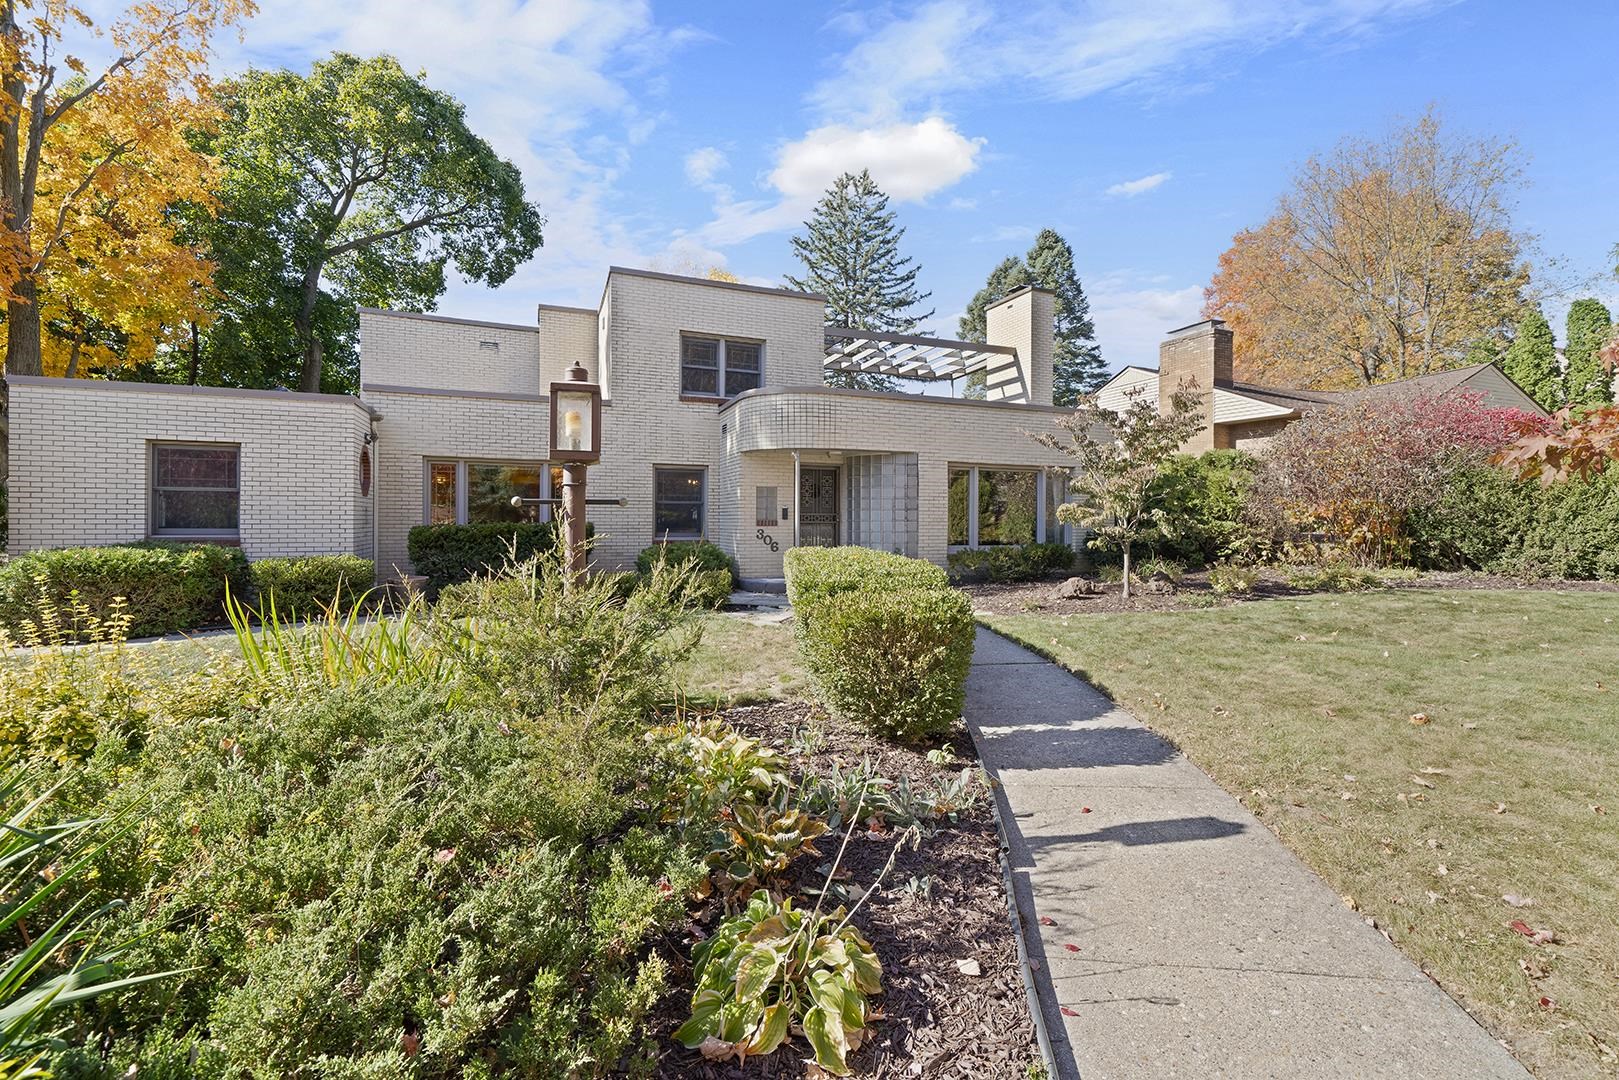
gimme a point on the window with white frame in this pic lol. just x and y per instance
(196, 489)
(989, 507)
(719, 367)
(478, 492)
(677, 502)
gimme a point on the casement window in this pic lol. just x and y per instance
(719, 367)
(196, 489)
(478, 492)
(677, 503)
(989, 507)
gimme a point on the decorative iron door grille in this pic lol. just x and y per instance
(818, 507)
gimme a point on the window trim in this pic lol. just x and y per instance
(461, 465)
(702, 503)
(152, 531)
(1044, 514)
(721, 340)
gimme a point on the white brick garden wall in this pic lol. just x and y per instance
(81, 462)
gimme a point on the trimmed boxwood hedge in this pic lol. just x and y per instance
(308, 584)
(1021, 562)
(167, 587)
(886, 639)
(446, 554)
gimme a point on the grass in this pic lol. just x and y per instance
(743, 663)
(1303, 709)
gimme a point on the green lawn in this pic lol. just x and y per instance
(1303, 708)
(743, 663)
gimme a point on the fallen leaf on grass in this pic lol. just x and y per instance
(1419, 718)
(1514, 900)
(1349, 902)
(1441, 869)
(1469, 726)
(1350, 777)
(1536, 937)
(1500, 808)
(1596, 809)
(1346, 796)
(1532, 968)
(969, 966)
(1420, 782)
(1433, 897)
(1548, 1004)
(1429, 770)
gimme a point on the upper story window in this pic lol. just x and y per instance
(196, 489)
(720, 367)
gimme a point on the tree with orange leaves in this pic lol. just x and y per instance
(1386, 259)
(92, 169)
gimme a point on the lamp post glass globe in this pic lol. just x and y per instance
(575, 411)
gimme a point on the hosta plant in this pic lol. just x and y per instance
(713, 767)
(754, 845)
(772, 971)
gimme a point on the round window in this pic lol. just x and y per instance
(365, 471)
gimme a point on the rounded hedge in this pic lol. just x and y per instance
(814, 573)
(309, 584)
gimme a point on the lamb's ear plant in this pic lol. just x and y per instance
(773, 971)
(62, 960)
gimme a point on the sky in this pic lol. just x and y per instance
(678, 136)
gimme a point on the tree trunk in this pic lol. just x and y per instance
(309, 380)
(22, 330)
(73, 356)
(196, 357)
(1127, 570)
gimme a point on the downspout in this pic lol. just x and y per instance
(796, 490)
(376, 480)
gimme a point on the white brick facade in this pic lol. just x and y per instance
(80, 470)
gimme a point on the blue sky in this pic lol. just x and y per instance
(1147, 133)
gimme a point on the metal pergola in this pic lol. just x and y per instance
(907, 356)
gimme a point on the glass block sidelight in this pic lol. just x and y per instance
(883, 493)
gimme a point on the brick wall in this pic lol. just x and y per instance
(405, 349)
(81, 462)
(1200, 354)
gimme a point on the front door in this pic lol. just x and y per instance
(818, 507)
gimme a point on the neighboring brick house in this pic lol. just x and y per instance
(716, 423)
(1245, 416)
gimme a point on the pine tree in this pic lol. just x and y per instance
(1531, 362)
(851, 256)
(1589, 327)
(1076, 362)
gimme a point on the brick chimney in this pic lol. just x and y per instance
(1023, 320)
(1200, 354)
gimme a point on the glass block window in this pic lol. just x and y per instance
(196, 489)
(677, 503)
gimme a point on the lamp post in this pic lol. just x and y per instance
(576, 413)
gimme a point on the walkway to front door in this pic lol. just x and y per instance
(818, 507)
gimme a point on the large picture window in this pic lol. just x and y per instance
(196, 489)
(720, 367)
(987, 507)
(677, 503)
(479, 492)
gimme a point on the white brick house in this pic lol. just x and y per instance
(716, 423)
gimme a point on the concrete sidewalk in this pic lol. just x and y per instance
(1205, 949)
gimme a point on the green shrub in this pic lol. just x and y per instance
(892, 660)
(814, 573)
(707, 556)
(446, 554)
(1573, 531)
(1023, 562)
(168, 587)
(1148, 569)
(1333, 577)
(1230, 579)
(1202, 500)
(308, 584)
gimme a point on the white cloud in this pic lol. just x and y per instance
(703, 163)
(1132, 312)
(908, 161)
(1005, 234)
(1131, 188)
(1062, 51)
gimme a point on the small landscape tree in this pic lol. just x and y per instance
(1120, 455)
(1531, 362)
(1590, 382)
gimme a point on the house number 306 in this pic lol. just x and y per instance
(768, 541)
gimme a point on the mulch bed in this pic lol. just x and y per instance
(1193, 591)
(935, 1021)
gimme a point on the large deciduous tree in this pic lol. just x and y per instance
(91, 163)
(1590, 325)
(1387, 258)
(356, 184)
(1120, 454)
(851, 255)
(1531, 362)
(1077, 366)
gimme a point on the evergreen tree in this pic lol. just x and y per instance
(850, 253)
(1589, 326)
(1531, 362)
(1076, 361)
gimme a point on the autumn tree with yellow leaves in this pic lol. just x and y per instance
(1387, 258)
(97, 172)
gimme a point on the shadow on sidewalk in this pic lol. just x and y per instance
(1065, 746)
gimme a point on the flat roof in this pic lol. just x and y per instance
(425, 317)
(686, 279)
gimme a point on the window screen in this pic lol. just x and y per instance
(195, 489)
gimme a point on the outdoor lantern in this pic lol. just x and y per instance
(576, 419)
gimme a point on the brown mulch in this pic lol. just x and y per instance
(1193, 591)
(935, 1021)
